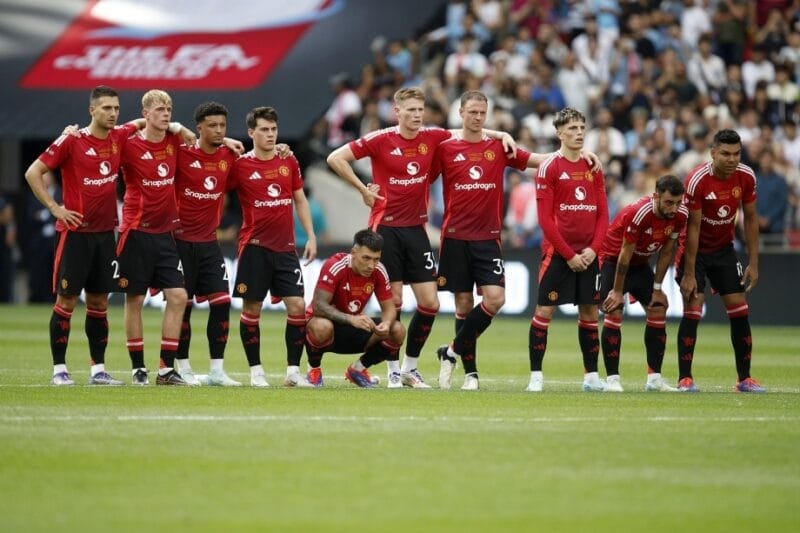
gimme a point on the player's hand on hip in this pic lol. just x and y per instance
(370, 194)
(72, 219)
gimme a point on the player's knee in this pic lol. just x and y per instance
(397, 332)
(68, 302)
(319, 330)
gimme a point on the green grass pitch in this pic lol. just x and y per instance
(345, 459)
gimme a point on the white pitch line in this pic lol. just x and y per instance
(294, 418)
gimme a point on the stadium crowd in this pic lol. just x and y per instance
(656, 80)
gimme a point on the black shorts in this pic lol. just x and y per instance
(558, 284)
(148, 260)
(85, 261)
(349, 339)
(407, 254)
(722, 268)
(465, 264)
(204, 270)
(261, 270)
(638, 282)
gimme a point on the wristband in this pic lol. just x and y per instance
(656, 286)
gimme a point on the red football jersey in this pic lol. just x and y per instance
(575, 199)
(149, 172)
(200, 185)
(266, 192)
(402, 168)
(89, 170)
(718, 200)
(472, 175)
(351, 292)
(638, 224)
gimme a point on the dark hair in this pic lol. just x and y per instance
(209, 109)
(368, 238)
(669, 183)
(473, 95)
(264, 112)
(726, 137)
(567, 115)
(101, 91)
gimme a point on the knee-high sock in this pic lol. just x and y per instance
(537, 341)
(611, 342)
(590, 344)
(687, 338)
(741, 338)
(250, 332)
(475, 323)
(655, 342)
(59, 334)
(218, 326)
(294, 337)
(418, 330)
(186, 332)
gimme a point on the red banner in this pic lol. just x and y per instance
(178, 44)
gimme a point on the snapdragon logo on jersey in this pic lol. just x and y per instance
(183, 44)
(475, 173)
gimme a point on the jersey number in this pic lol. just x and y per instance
(429, 262)
(498, 266)
(115, 264)
(299, 277)
(224, 272)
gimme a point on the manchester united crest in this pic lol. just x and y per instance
(737, 192)
(422, 148)
(122, 283)
(489, 155)
(64, 283)
(552, 296)
(441, 281)
(283, 170)
(241, 288)
(170, 149)
(222, 165)
(368, 288)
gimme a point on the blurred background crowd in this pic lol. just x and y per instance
(655, 79)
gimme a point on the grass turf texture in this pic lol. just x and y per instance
(344, 459)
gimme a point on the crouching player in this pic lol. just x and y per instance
(337, 322)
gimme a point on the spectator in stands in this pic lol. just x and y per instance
(772, 202)
(730, 29)
(344, 112)
(783, 94)
(318, 221)
(696, 154)
(603, 129)
(707, 70)
(757, 68)
(574, 83)
(521, 218)
(8, 242)
(695, 21)
(41, 243)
